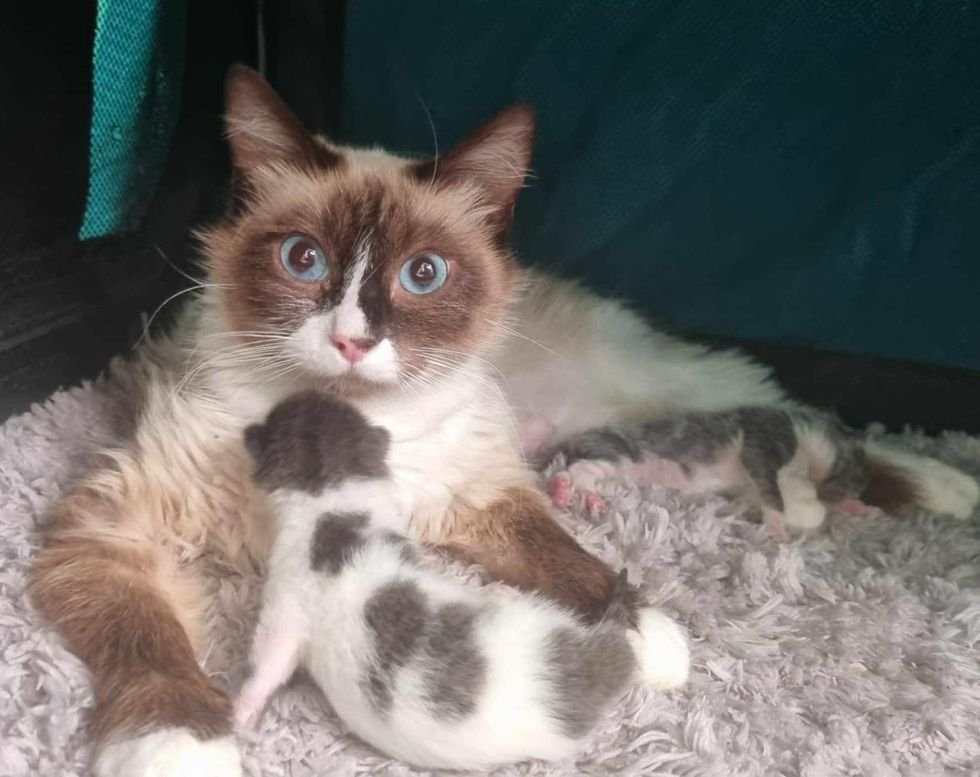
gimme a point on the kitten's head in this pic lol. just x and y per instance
(357, 264)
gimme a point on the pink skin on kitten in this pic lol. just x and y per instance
(583, 477)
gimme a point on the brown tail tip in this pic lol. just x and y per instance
(890, 487)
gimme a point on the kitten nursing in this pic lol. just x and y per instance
(790, 464)
(427, 669)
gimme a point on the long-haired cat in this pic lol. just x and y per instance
(388, 281)
(429, 670)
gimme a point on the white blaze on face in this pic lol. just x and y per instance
(349, 320)
(311, 343)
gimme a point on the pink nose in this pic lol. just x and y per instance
(352, 348)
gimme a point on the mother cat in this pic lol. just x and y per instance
(389, 281)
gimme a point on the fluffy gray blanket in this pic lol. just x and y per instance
(851, 653)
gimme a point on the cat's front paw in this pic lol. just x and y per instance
(174, 752)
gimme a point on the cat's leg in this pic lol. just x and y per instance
(517, 541)
(275, 655)
(122, 605)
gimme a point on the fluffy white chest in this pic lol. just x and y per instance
(459, 443)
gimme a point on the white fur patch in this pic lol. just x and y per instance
(944, 489)
(169, 753)
(661, 650)
(802, 509)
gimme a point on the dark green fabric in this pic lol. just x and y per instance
(800, 172)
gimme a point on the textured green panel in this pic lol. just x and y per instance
(137, 69)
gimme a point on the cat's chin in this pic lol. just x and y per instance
(352, 384)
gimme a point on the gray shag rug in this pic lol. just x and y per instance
(854, 652)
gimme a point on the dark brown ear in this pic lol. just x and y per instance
(261, 128)
(495, 159)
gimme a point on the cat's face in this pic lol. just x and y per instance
(352, 264)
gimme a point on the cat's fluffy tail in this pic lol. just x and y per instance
(899, 481)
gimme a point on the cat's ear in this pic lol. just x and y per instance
(494, 159)
(262, 130)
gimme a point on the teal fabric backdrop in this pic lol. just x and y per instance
(803, 172)
(137, 65)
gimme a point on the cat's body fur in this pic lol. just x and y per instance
(428, 670)
(111, 576)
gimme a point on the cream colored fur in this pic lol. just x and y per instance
(181, 486)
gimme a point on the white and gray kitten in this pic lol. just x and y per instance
(425, 668)
(788, 463)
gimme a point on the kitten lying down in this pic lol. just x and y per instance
(429, 670)
(789, 464)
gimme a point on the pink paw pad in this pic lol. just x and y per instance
(560, 490)
(595, 503)
(774, 525)
(855, 507)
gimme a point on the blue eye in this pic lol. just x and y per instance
(303, 258)
(423, 273)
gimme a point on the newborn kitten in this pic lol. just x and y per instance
(429, 670)
(787, 463)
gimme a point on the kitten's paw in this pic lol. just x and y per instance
(586, 474)
(248, 708)
(660, 646)
(855, 507)
(804, 514)
(172, 752)
(595, 503)
(560, 490)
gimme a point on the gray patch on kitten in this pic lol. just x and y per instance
(405, 549)
(768, 444)
(311, 441)
(458, 669)
(848, 474)
(336, 539)
(766, 436)
(396, 616)
(589, 670)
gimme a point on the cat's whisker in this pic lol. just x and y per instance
(162, 305)
(435, 140)
(520, 335)
(183, 273)
(428, 350)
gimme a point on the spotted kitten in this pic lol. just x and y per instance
(429, 670)
(788, 463)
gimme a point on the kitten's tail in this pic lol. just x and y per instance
(899, 481)
(659, 645)
(623, 605)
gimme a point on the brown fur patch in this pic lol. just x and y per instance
(103, 595)
(889, 487)
(519, 542)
